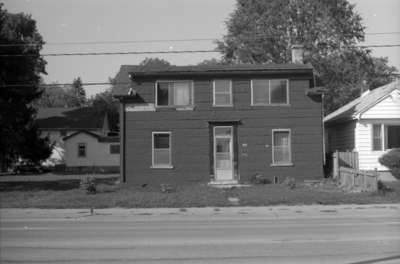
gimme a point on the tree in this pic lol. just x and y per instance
(105, 103)
(154, 62)
(263, 31)
(79, 91)
(55, 95)
(211, 62)
(19, 82)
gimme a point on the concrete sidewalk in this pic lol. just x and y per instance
(270, 212)
(52, 177)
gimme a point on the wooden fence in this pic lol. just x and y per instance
(346, 159)
(351, 179)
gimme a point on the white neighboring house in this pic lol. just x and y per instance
(59, 123)
(369, 125)
(86, 151)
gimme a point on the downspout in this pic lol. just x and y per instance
(122, 140)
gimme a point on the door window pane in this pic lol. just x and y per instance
(223, 153)
(260, 92)
(281, 147)
(377, 137)
(278, 91)
(223, 131)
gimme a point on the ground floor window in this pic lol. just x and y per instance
(81, 150)
(281, 147)
(114, 149)
(161, 149)
(385, 137)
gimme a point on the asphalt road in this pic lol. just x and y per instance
(352, 234)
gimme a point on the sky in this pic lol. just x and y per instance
(63, 21)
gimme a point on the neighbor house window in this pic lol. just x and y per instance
(269, 92)
(385, 137)
(174, 93)
(222, 92)
(114, 149)
(161, 149)
(81, 150)
(392, 136)
(281, 147)
(377, 137)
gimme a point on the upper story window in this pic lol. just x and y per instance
(222, 93)
(174, 93)
(269, 92)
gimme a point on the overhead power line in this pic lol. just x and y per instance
(153, 52)
(109, 53)
(62, 84)
(151, 40)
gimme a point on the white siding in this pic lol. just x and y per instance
(389, 108)
(97, 153)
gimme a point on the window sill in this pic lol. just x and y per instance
(175, 108)
(162, 167)
(263, 105)
(289, 164)
(222, 105)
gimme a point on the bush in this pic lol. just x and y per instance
(391, 160)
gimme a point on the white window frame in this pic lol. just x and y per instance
(189, 107)
(269, 94)
(382, 148)
(154, 166)
(230, 94)
(83, 144)
(384, 140)
(290, 163)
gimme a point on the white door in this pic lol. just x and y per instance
(223, 153)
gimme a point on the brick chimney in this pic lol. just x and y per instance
(297, 53)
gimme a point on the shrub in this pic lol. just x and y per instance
(391, 160)
(259, 179)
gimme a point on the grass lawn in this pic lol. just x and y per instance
(66, 194)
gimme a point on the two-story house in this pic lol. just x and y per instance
(219, 124)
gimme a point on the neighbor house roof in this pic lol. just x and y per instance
(100, 138)
(69, 118)
(139, 71)
(362, 103)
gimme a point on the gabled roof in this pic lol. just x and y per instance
(362, 103)
(69, 118)
(99, 138)
(138, 71)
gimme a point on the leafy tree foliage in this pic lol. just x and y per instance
(57, 96)
(79, 91)
(19, 137)
(105, 103)
(154, 62)
(211, 62)
(263, 31)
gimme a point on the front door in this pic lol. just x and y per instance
(223, 153)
